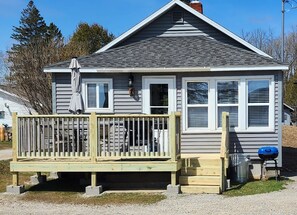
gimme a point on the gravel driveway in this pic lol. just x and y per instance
(5, 154)
(282, 202)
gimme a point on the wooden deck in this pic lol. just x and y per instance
(96, 143)
(107, 143)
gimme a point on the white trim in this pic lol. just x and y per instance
(242, 104)
(192, 11)
(170, 80)
(171, 69)
(247, 68)
(96, 81)
(289, 107)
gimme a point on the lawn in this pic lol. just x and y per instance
(257, 187)
(69, 191)
(5, 145)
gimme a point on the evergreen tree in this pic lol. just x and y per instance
(37, 45)
(87, 39)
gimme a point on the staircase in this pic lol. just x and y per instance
(200, 173)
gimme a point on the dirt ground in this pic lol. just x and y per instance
(290, 148)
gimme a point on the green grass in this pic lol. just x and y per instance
(69, 191)
(257, 187)
(105, 199)
(5, 145)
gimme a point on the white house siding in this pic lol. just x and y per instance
(192, 26)
(13, 104)
(240, 142)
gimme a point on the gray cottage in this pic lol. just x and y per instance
(175, 61)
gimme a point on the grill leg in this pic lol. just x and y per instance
(276, 170)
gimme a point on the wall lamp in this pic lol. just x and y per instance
(130, 85)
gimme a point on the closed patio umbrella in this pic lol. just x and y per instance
(76, 104)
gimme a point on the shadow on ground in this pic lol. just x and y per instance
(289, 161)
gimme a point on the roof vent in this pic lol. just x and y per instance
(196, 5)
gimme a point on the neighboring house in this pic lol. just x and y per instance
(175, 60)
(287, 114)
(10, 103)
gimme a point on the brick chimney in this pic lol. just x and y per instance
(196, 5)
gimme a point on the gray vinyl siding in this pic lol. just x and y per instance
(192, 26)
(123, 103)
(241, 142)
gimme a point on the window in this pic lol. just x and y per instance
(97, 94)
(227, 101)
(197, 104)
(258, 103)
(249, 101)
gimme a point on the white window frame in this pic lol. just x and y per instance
(147, 80)
(197, 105)
(98, 81)
(225, 105)
(271, 104)
(242, 104)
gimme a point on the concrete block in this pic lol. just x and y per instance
(35, 179)
(15, 189)
(54, 175)
(173, 190)
(94, 191)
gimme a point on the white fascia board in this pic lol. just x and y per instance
(63, 70)
(132, 70)
(172, 69)
(138, 26)
(189, 9)
(249, 68)
(289, 107)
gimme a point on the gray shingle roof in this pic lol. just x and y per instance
(173, 52)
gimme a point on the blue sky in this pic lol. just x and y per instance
(120, 15)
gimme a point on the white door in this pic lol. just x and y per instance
(159, 94)
(159, 97)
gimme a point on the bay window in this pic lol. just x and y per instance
(249, 101)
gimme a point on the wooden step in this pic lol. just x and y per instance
(201, 162)
(199, 180)
(192, 171)
(200, 189)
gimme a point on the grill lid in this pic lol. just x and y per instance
(268, 152)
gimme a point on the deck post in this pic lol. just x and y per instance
(93, 179)
(173, 188)
(172, 136)
(15, 188)
(93, 136)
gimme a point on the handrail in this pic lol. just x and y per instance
(92, 137)
(224, 154)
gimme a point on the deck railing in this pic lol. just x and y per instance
(224, 155)
(98, 137)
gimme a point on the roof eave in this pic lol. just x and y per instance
(173, 69)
